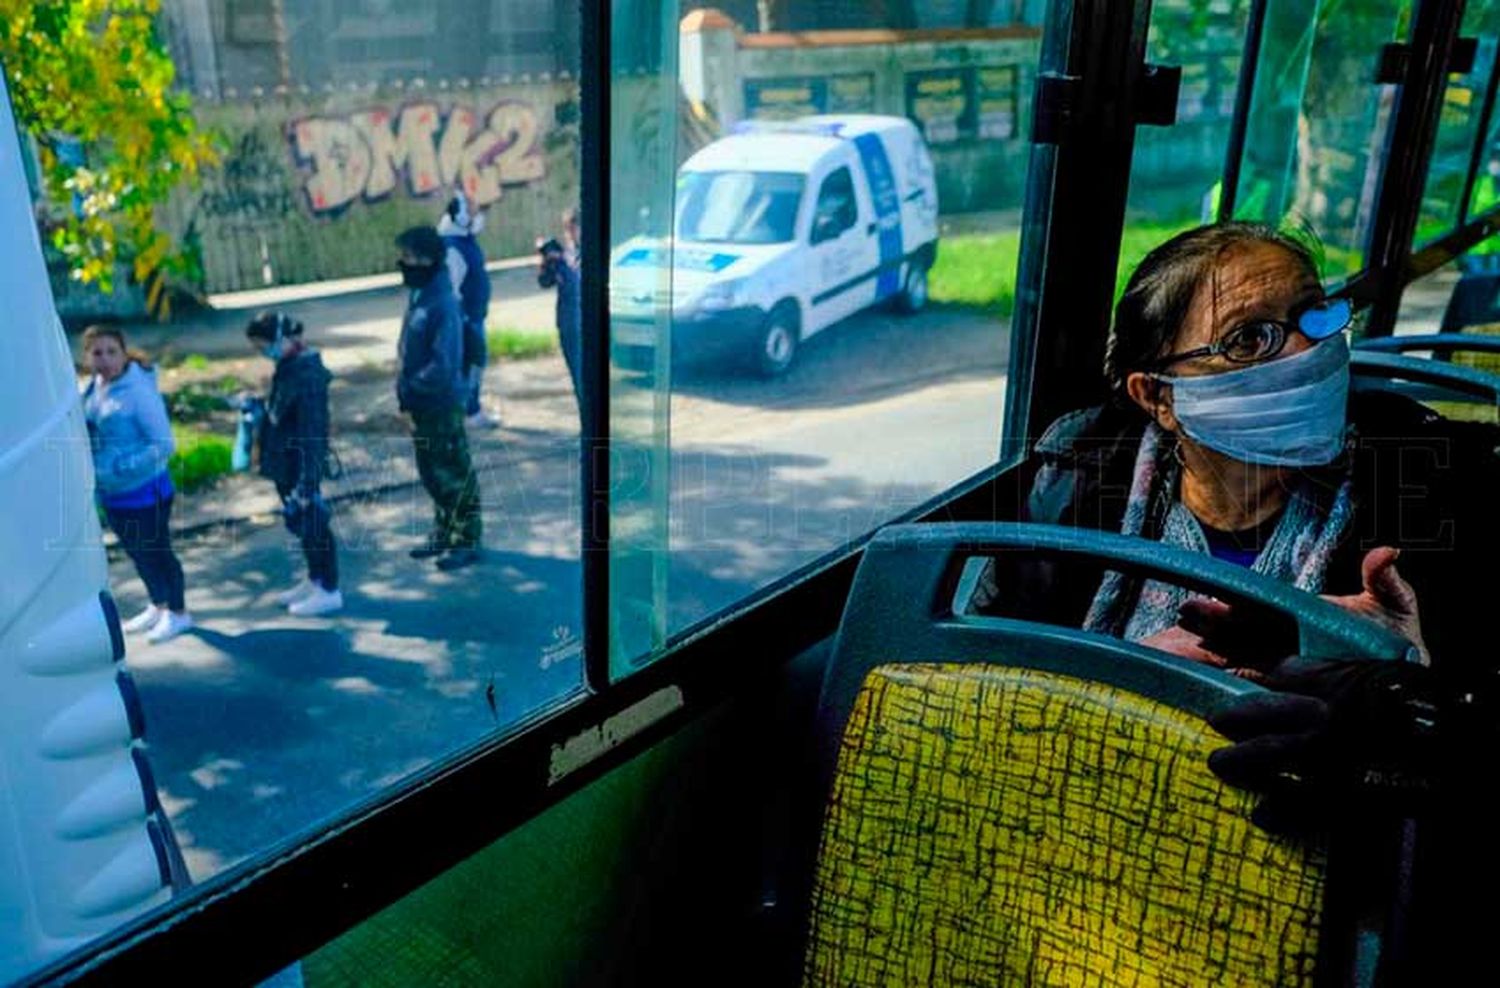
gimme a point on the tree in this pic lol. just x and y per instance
(92, 84)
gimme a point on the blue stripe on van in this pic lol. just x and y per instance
(887, 211)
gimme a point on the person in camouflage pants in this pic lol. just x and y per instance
(442, 448)
(431, 388)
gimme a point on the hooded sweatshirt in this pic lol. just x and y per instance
(131, 438)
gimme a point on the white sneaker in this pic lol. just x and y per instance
(288, 597)
(170, 626)
(482, 420)
(318, 602)
(143, 621)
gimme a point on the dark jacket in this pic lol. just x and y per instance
(430, 351)
(473, 295)
(294, 431)
(1422, 483)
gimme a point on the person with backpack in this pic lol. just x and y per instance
(293, 440)
(132, 442)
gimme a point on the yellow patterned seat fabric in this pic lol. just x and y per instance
(990, 825)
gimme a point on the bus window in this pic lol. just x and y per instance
(812, 262)
(1175, 171)
(322, 669)
(1458, 130)
(1316, 132)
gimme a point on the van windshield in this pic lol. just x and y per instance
(738, 207)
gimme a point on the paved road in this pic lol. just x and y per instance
(261, 725)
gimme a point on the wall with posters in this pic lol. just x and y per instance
(962, 87)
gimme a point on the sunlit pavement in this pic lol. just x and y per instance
(262, 724)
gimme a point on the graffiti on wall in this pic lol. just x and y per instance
(367, 154)
(251, 183)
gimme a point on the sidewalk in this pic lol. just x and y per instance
(373, 447)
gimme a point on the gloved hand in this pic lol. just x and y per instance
(1342, 737)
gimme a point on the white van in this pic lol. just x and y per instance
(781, 230)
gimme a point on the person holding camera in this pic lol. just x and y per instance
(558, 268)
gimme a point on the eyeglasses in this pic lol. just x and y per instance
(1263, 339)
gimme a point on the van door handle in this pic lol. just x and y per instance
(870, 230)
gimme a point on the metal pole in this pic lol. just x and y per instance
(1249, 65)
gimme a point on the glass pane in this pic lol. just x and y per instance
(1317, 125)
(1462, 297)
(812, 264)
(342, 125)
(1458, 128)
(1175, 170)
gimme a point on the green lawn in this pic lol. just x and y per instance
(510, 343)
(201, 458)
(979, 269)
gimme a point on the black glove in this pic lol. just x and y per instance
(1341, 738)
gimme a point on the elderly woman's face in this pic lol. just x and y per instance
(1257, 281)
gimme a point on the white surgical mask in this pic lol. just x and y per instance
(1287, 412)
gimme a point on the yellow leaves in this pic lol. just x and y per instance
(91, 82)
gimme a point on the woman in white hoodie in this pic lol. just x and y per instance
(132, 442)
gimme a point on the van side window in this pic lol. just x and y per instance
(836, 210)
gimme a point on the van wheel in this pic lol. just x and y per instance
(778, 344)
(913, 296)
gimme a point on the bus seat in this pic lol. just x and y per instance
(1015, 803)
(1419, 378)
(1436, 342)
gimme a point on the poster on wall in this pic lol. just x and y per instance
(996, 92)
(939, 101)
(783, 98)
(853, 93)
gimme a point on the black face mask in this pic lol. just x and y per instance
(416, 275)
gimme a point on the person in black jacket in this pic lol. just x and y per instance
(293, 441)
(1231, 430)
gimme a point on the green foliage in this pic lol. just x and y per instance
(198, 401)
(92, 84)
(510, 343)
(200, 459)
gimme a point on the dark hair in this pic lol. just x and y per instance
(267, 325)
(422, 241)
(97, 332)
(1163, 286)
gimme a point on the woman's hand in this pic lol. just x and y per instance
(1181, 642)
(1386, 599)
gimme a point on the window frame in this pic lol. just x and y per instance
(849, 209)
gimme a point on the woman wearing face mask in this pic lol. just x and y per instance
(132, 442)
(1232, 431)
(294, 454)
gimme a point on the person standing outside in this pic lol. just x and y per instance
(559, 269)
(430, 387)
(132, 441)
(294, 454)
(459, 227)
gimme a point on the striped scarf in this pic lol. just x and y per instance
(1298, 551)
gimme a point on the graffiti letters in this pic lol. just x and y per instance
(251, 185)
(365, 155)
